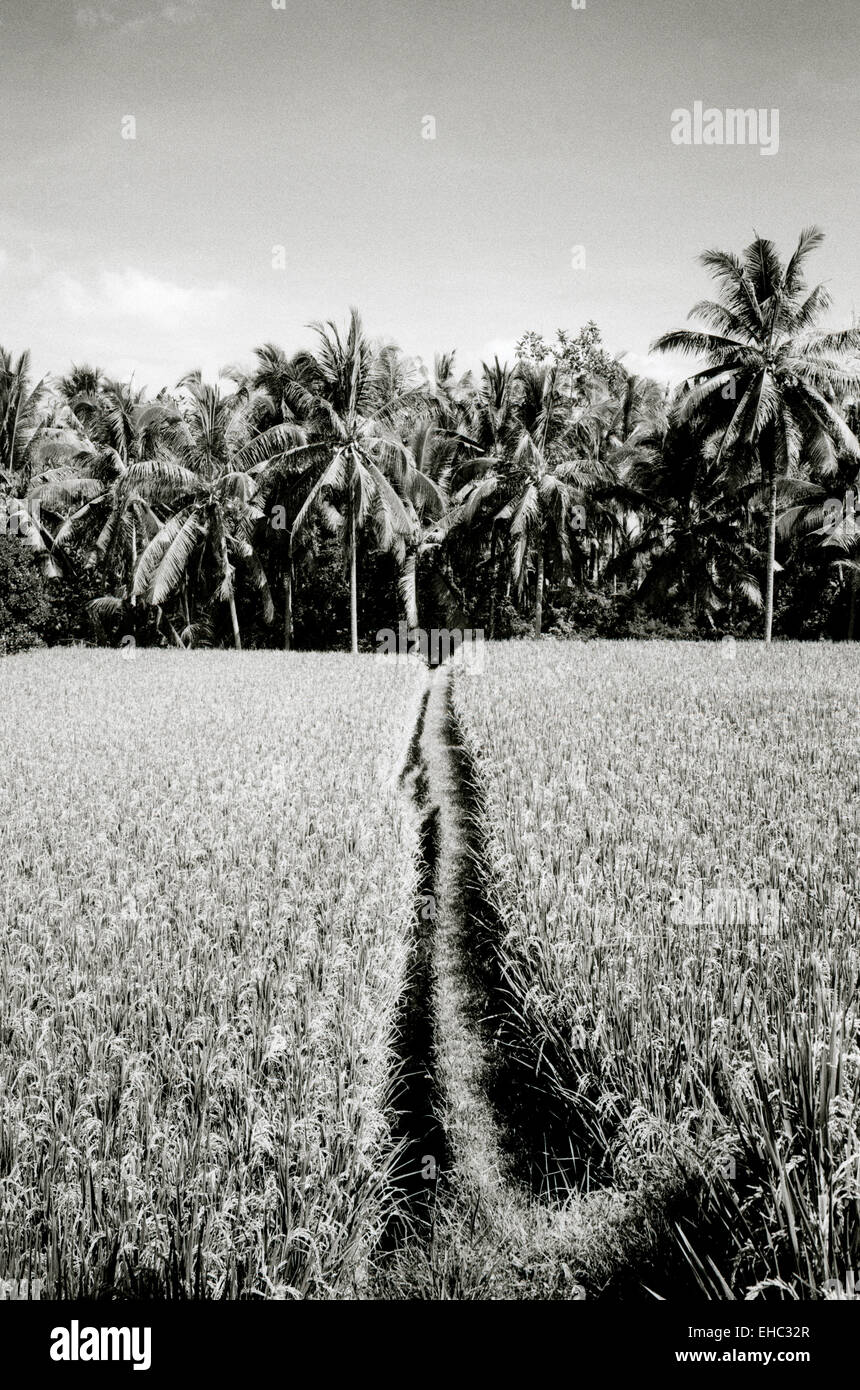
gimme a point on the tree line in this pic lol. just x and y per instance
(334, 490)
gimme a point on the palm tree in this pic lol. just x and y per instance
(201, 474)
(21, 426)
(826, 513)
(270, 394)
(89, 492)
(552, 478)
(480, 480)
(449, 395)
(529, 479)
(81, 381)
(264, 389)
(611, 431)
(286, 466)
(771, 379)
(29, 441)
(420, 477)
(690, 541)
(351, 404)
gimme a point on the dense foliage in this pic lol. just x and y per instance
(330, 493)
(24, 607)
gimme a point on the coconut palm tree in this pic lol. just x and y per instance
(30, 440)
(270, 395)
(772, 377)
(351, 405)
(448, 394)
(21, 425)
(200, 474)
(611, 431)
(480, 481)
(90, 490)
(531, 478)
(691, 539)
(420, 476)
(284, 472)
(264, 389)
(553, 478)
(82, 380)
(92, 503)
(826, 511)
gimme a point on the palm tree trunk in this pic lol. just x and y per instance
(234, 616)
(494, 583)
(288, 607)
(538, 621)
(133, 572)
(852, 611)
(771, 557)
(353, 581)
(409, 589)
(614, 575)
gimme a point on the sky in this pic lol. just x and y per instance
(279, 171)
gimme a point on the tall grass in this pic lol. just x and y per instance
(672, 841)
(206, 893)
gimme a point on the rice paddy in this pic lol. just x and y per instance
(671, 841)
(211, 889)
(206, 899)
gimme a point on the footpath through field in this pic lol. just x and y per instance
(461, 1056)
(488, 1235)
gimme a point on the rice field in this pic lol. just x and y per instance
(210, 881)
(671, 842)
(207, 881)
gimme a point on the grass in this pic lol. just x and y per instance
(216, 985)
(705, 1045)
(207, 882)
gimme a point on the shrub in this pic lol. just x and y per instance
(24, 606)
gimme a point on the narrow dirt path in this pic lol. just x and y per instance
(473, 1227)
(461, 1056)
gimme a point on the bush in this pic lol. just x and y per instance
(25, 610)
(586, 613)
(69, 596)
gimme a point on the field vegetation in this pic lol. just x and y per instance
(670, 849)
(207, 881)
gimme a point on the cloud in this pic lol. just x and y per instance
(132, 294)
(472, 359)
(503, 348)
(663, 367)
(142, 296)
(107, 315)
